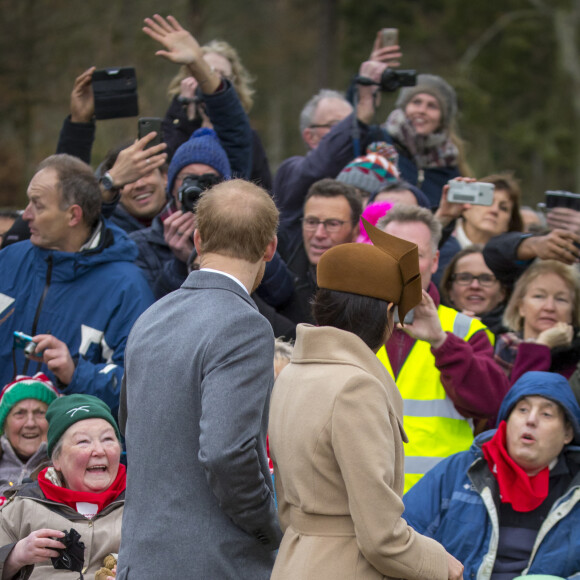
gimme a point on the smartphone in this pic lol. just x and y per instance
(476, 193)
(147, 124)
(24, 342)
(389, 37)
(115, 91)
(562, 199)
(409, 317)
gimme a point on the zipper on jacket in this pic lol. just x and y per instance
(561, 508)
(40, 303)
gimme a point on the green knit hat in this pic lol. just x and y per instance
(37, 387)
(71, 409)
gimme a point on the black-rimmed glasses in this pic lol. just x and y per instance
(330, 225)
(466, 278)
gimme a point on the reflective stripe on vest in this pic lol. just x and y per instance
(434, 427)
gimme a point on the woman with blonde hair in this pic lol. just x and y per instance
(543, 315)
(186, 113)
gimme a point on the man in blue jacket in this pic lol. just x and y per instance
(73, 286)
(511, 504)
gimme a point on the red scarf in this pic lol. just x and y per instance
(70, 498)
(524, 492)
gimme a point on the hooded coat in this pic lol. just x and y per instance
(88, 299)
(457, 502)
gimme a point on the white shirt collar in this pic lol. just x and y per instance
(225, 274)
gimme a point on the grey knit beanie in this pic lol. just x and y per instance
(440, 89)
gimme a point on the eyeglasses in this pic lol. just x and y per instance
(466, 278)
(330, 225)
(325, 125)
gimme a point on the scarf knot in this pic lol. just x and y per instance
(525, 493)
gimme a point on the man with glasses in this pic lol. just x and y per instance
(442, 360)
(331, 217)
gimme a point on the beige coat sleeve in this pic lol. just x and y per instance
(367, 441)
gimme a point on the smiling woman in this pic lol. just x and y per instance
(23, 405)
(84, 490)
(469, 286)
(423, 130)
(544, 316)
(480, 223)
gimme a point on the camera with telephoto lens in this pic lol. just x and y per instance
(192, 187)
(72, 557)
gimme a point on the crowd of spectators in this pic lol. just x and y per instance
(487, 363)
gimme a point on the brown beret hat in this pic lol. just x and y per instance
(388, 270)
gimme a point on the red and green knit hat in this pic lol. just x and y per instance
(370, 172)
(23, 387)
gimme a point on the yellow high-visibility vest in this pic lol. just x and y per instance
(434, 427)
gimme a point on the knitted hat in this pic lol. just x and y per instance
(202, 147)
(548, 385)
(388, 270)
(437, 87)
(372, 214)
(71, 409)
(37, 387)
(369, 173)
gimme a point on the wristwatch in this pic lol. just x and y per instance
(107, 182)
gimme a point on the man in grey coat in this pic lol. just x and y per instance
(198, 376)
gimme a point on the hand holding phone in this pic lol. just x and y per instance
(115, 92)
(389, 37)
(25, 342)
(148, 124)
(474, 193)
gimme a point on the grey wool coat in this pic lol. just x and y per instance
(198, 377)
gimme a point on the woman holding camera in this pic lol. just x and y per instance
(84, 490)
(479, 223)
(423, 130)
(336, 427)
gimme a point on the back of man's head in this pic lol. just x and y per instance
(236, 219)
(78, 185)
(411, 214)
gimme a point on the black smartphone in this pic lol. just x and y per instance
(115, 91)
(148, 124)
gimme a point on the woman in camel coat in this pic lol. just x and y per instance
(336, 429)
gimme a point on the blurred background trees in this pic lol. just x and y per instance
(515, 65)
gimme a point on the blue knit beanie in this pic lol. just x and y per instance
(202, 147)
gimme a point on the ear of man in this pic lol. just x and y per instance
(75, 214)
(271, 249)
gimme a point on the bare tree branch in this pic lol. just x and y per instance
(502, 22)
(565, 30)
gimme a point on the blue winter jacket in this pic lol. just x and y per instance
(89, 300)
(456, 503)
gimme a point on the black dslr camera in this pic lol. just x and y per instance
(72, 557)
(391, 80)
(193, 186)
